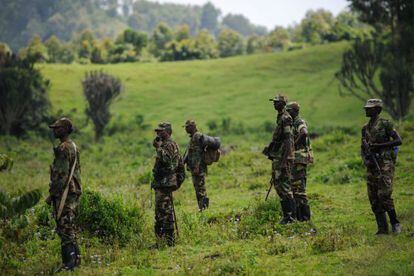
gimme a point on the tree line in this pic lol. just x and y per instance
(167, 43)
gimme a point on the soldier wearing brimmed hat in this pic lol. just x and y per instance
(303, 157)
(281, 152)
(379, 149)
(65, 190)
(195, 163)
(166, 180)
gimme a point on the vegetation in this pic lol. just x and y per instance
(100, 90)
(382, 66)
(24, 101)
(239, 233)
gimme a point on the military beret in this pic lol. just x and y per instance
(373, 103)
(279, 98)
(164, 126)
(293, 105)
(189, 123)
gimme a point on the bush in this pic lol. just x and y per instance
(6, 163)
(24, 102)
(100, 90)
(112, 221)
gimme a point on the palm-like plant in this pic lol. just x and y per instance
(14, 207)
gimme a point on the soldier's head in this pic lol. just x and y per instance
(279, 102)
(373, 107)
(190, 126)
(293, 108)
(62, 128)
(164, 130)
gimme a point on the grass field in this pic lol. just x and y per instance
(239, 233)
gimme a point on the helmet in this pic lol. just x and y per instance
(293, 106)
(279, 98)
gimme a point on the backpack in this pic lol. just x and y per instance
(211, 149)
(180, 173)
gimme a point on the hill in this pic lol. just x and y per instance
(239, 233)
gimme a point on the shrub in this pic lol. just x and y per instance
(112, 221)
(23, 95)
(100, 90)
(6, 163)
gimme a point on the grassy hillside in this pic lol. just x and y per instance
(239, 233)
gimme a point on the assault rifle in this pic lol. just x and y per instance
(368, 154)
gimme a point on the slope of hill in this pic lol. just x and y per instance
(239, 233)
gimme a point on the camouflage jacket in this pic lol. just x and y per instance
(283, 131)
(379, 131)
(166, 163)
(303, 150)
(60, 169)
(195, 154)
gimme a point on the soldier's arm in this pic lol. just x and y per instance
(303, 134)
(395, 138)
(61, 166)
(287, 139)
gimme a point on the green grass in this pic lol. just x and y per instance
(239, 233)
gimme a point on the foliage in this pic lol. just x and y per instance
(35, 51)
(6, 163)
(100, 90)
(13, 207)
(382, 66)
(110, 220)
(242, 25)
(161, 36)
(230, 43)
(24, 101)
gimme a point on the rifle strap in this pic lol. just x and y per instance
(66, 191)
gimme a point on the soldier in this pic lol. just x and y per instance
(379, 147)
(65, 190)
(166, 180)
(303, 157)
(280, 151)
(195, 163)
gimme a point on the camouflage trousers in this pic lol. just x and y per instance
(380, 188)
(164, 215)
(199, 182)
(299, 183)
(281, 180)
(66, 227)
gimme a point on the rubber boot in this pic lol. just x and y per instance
(381, 223)
(306, 212)
(299, 215)
(68, 256)
(395, 223)
(78, 255)
(206, 202)
(287, 211)
(293, 208)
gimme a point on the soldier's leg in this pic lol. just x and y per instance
(66, 229)
(200, 189)
(299, 192)
(281, 178)
(376, 206)
(164, 217)
(385, 189)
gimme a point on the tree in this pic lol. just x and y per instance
(209, 17)
(160, 37)
(317, 26)
(206, 45)
(382, 66)
(35, 51)
(242, 25)
(182, 32)
(24, 102)
(138, 39)
(100, 91)
(230, 43)
(4, 48)
(278, 39)
(54, 49)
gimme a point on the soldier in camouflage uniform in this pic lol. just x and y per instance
(303, 157)
(281, 151)
(65, 190)
(379, 146)
(195, 163)
(165, 182)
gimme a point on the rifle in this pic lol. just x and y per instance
(268, 191)
(370, 155)
(175, 217)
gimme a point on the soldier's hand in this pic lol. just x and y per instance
(374, 146)
(157, 143)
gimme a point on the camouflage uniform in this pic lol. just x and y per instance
(299, 170)
(165, 180)
(64, 158)
(281, 173)
(197, 167)
(380, 183)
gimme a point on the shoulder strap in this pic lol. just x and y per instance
(65, 193)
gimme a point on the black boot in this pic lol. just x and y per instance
(68, 256)
(395, 223)
(206, 202)
(78, 255)
(287, 211)
(169, 237)
(299, 215)
(305, 211)
(381, 223)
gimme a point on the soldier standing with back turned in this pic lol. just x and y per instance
(303, 157)
(280, 151)
(65, 190)
(195, 163)
(379, 146)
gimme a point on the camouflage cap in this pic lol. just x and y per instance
(62, 122)
(164, 126)
(189, 123)
(279, 98)
(293, 105)
(373, 103)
